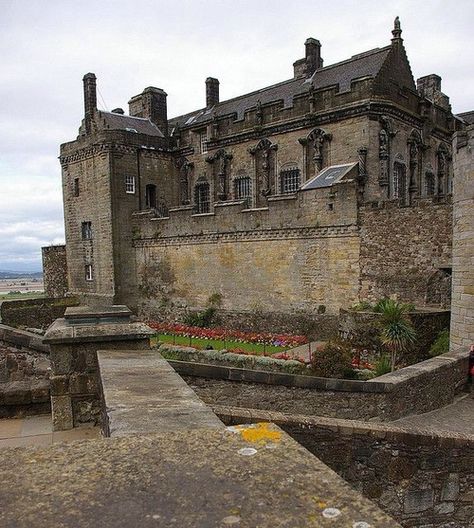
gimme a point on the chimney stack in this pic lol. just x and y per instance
(313, 56)
(212, 92)
(90, 98)
(151, 104)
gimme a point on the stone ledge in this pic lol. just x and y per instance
(22, 338)
(221, 477)
(410, 436)
(24, 392)
(187, 368)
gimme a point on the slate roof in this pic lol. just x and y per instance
(113, 121)
(468, 117)
(341, 74)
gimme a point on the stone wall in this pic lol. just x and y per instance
(462, 323)
(362, 327)
(416, 389)
(422, 479)
(34, 313)
(55, 271)
(406, 251)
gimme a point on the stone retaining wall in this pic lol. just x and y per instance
(423, 479)
(416, 389)
(34, 313)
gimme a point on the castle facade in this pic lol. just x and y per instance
(304, 197)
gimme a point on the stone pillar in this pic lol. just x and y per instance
(74, 341)
(462, 303)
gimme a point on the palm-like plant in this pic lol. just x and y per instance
(397, 331)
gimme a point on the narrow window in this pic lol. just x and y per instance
(76, 187)
(150, 196)
(130, 184)
(86, 230)
(203, 142)
(89, 274)
(289, 180)
(429, 184)
(242, 188)
(202, 198)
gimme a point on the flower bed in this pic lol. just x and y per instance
(283, 340)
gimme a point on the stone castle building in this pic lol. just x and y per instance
(300, 198)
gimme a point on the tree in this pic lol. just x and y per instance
(397, 331)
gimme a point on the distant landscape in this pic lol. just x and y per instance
(18, 285)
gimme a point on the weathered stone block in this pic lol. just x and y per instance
(417, 501)
(450, 489)
(59, 385)
(61, 407)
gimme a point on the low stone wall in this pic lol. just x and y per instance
(363, 329)
(34, 313)
(22, 339)
(422, 479)
(416, 389)
(24, 374)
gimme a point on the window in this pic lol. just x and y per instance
(400, 182)
(89, 274)
(86, 230)
(289, 180)
(429, 184)
(130, 184)
(202, 198)
(76, 187)
(242, 187)
(203, 142)
(150, 196)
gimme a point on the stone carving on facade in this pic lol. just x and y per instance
(385, 136)
(442, 158)
(220, 160)
(215, 127)
(264, 156)
(312, 98)
(415, 155)
(316, 151)
(185, 169)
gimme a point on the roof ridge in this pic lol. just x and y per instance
(127, 116)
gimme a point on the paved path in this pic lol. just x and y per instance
(38, 431)
(458, 417)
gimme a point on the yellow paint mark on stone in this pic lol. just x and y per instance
(260, 433)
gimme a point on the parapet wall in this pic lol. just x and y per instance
(420, 478)
(416, 389)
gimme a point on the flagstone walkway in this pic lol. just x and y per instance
(38, 431)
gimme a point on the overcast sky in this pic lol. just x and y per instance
(46, 46)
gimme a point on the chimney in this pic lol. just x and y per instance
(312, 56)
(429, 87)
(151, 104)
(212, 92)
(90, 99)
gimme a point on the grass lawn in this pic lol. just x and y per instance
(20, 296)
(217, 344)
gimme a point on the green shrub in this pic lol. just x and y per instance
(382, 366)
(202, 319)
(441, 345)
(365, 374)
(333, 360)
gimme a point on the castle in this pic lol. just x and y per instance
(304, 197)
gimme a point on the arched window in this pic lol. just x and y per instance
(289, 180)
(202, 201)
(150, 196)
(400, 182)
